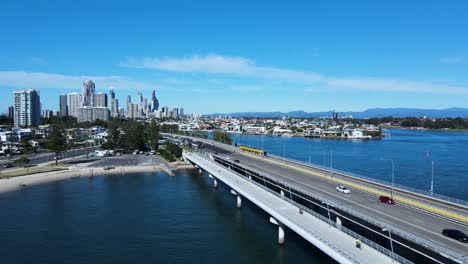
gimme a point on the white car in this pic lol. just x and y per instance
(343, 189)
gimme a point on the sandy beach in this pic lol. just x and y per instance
(16, 183)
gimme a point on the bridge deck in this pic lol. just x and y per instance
(328, 238)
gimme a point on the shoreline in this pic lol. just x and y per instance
(19, 182)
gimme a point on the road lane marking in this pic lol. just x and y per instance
(369, 190)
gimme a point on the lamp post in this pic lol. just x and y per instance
(389, 237)
(393, 175)
(432, 178)
(328, 210)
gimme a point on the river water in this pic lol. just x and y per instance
(411, 150)
(141, 218)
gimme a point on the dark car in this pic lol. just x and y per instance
(455, 234)
(8, 165)
(236, 161)
(386, 199)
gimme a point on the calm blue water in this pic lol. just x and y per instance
(408, 149)
(140, 218)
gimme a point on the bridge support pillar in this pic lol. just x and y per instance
(239, 199)
(282, 193)
(281, 234)
(338, 223)
(215, 183)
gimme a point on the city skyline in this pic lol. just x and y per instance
(310, 56)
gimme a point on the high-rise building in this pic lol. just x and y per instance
(27, 108)
(89, 114)
(89, 89)
(63, 105)
(111, 93)
(129, 101)
(11, 112)
(133, 111)
(100, 100)
(74, 102)
(154, 102)
(47, 113)
(114, 107)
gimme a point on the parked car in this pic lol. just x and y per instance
(8, 165)
(343, 189)
(455, 234)
(237, 161)
(386, 199)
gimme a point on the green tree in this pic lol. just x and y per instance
(134, 135)
(57, 141)
(222, 137)
(174, 150)
(152, 135)
(114, 138)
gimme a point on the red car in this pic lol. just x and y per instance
(386, 199)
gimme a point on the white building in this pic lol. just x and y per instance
(100, 100)
(89, 89)
(74, 102)
(27, 110)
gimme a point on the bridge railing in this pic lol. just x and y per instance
(403, 187)
(366, 241)
(328, 221)
(394, 230)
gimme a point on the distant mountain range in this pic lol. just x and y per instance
(373, 112)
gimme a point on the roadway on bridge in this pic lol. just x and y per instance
(417, 222)
(306, 225)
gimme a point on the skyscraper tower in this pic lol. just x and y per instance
(63, 105)
(27, 111)
(112, 93)
(88, 93)
(154, 102)
(100, 100)
(74, 102)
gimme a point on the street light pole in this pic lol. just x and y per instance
(432, 179)
(393, 175)
(389, 237)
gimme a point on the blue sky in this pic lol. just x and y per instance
(208, 56)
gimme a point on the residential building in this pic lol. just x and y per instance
(74, 102)
(88, 90)
(27, 108)
(11, 112)
(114, 109)
(100, 100)
(63, 105)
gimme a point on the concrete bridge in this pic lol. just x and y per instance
(325, 234)
(409, 231)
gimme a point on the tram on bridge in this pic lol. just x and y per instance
(253, 150)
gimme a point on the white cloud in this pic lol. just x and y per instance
(451, 59)
(393, 85)
(243, 67)
(22, 79)
(216, 64)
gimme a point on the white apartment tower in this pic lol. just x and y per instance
(89, 89)
(27, 110)
(74, 102)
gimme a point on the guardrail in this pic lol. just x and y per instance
(402, 187)
(367, 218)
(328, 221)
(315, 234)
